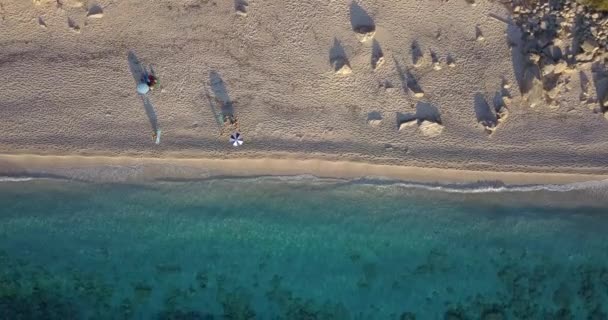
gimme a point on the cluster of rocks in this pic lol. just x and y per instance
(566, 20)
(558, 38)
(94, 11)
(502, 103)
(427, 128)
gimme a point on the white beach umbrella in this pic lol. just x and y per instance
(143, 88)
(236, 139)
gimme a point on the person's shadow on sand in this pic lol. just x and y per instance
(150, 113)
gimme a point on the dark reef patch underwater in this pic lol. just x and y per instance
(301, 248)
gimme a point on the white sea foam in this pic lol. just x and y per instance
(464, 188)
(120, 173)
(15, 179)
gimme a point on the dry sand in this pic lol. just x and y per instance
(67, 90)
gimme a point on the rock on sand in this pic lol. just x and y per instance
(341, 66)
(430, 129)
(374, 122)
(365, 33)
(95, 12)
(407, 124)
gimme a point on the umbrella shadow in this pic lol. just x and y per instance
(212, 104)
(218, 87)
(137, 68)
(150, 113)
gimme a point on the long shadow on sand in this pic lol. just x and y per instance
(137, 69)
(150, 113)
(600, 80)
(360, 20)
(521, 65)
(218, 87)
(337, 55)
(408, 80)
(483, 111)
(416, 52)
(424, 112)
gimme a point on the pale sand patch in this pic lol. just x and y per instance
(145, 169)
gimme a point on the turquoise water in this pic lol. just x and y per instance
(301, 249)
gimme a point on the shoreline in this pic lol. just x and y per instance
(132, 169)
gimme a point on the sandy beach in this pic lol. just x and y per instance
(414, 90)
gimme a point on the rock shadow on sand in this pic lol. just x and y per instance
(360, 20)
(337, 56)
(427, 112)
(377, 58)
(408, 80)
(525, 71)
(374, 115)
(600, 81)
(416, 53)
(424, 112)
(483, 111)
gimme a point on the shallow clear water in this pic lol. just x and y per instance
(300, 249)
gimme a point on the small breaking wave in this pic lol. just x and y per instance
(463, 188)
(486, 186)
(16, 179)
(479, 187)
(119, 173)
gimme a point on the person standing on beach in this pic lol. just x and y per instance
(151, 81)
